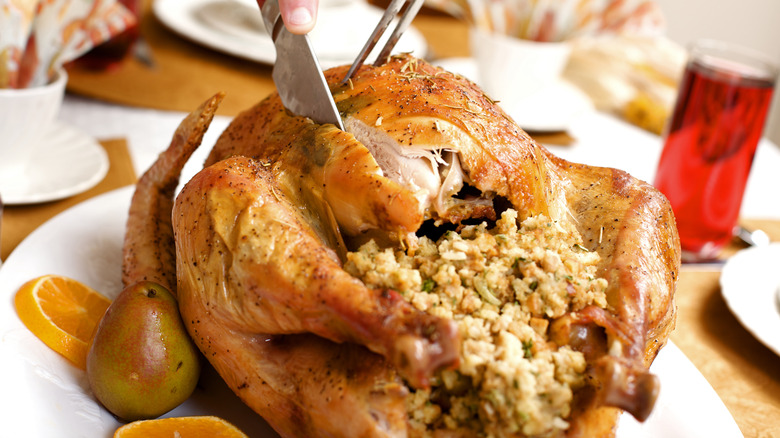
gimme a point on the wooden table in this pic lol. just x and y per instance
(744, 373)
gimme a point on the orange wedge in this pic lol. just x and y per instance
(184, 427)
(61, 312)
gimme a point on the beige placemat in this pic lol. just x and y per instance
(744, 373)
(19, 221)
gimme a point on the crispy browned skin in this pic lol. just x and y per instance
(332, 171)
(248, 258)
(297, 381)
(306, 386)
(148, 252)
(302, 384)
(632, 227)
(258, 247)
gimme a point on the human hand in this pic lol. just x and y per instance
(299, 16)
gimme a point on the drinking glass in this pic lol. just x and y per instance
(718, 119)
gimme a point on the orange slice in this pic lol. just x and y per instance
(61, 312)
(184, 427)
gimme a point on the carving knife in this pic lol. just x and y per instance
(297, 73)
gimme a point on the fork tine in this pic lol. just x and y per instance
(400, 28)
(392, 9)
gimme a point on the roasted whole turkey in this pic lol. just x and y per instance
(431, 271)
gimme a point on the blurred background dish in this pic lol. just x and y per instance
(236, 27)
(633, 77)
(41, 158)
(512, 69)
(612, 53)
(551, 108)
(749, 285)
(72, 162)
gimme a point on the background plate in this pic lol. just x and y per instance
(236, 27)
(551, 109)
(73, 163)
(749, 284)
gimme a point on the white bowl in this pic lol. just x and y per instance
(512, 69)
(25, 115)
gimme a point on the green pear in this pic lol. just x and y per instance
(141, 362)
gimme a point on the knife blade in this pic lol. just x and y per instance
(297, 73)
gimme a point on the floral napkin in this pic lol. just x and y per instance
(38, 36)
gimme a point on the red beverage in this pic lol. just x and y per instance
(713, 134)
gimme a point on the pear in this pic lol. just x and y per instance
(141, 362)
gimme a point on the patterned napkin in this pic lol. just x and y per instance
(38, 36)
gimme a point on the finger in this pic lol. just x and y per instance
(299, 16)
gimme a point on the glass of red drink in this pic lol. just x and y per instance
(718, 119)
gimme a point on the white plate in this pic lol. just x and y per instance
(44, 396)
(73, 163)
(749, 284)
(551, 109)
(687, 406)
(236, 28)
